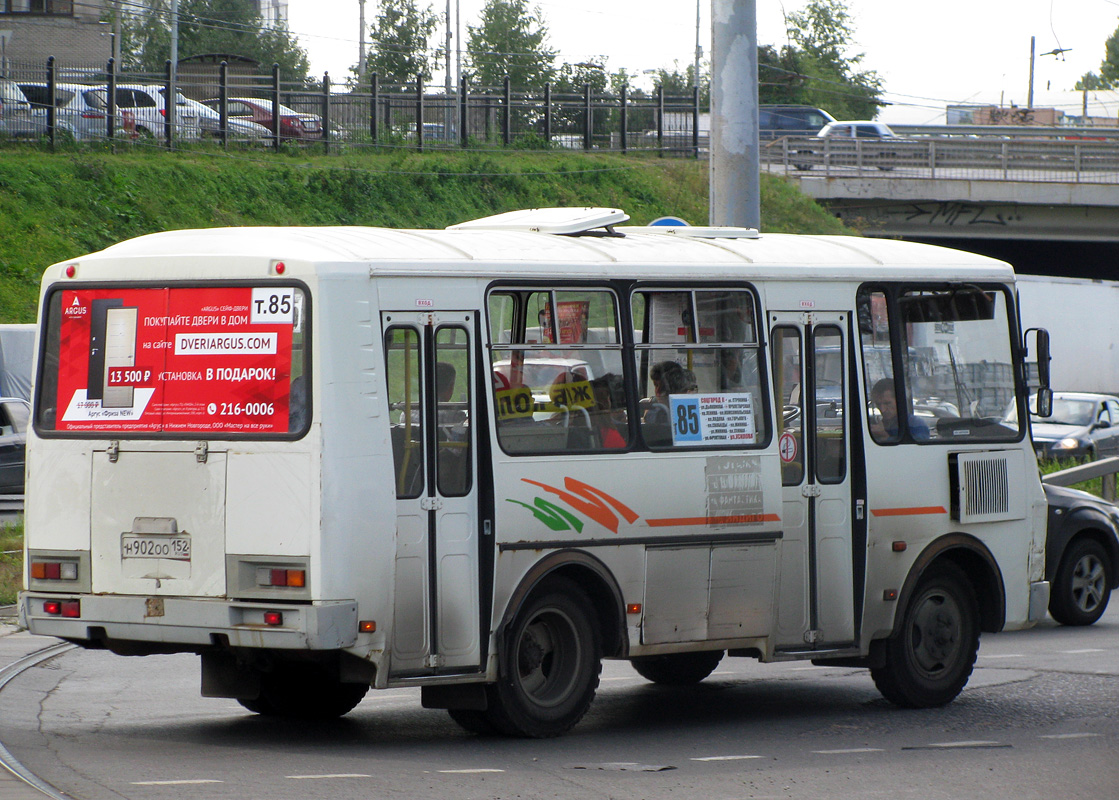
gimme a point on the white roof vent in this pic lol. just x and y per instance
(696, 231)
(548, 220)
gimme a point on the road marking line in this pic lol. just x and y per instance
(173, 783)
(1080, 652)
(950, 745)
(725, 758)
(467, 771)
(850, 750)
(1005, 655)
(334, 775)
(1069, 736)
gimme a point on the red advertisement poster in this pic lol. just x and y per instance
(190, 360)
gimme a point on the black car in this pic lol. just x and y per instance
(14, 414)
(1082, 425)
(1081, 554)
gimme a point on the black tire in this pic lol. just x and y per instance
(304, 691)
(931, 654)
(677, 669)
(549, 665)
(474, 721)
(1082, 584)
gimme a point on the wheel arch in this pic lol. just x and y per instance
(594, 578)
(972, 558)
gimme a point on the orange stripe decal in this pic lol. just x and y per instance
(731, 520)
(908, 512)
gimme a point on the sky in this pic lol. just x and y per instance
(929, 54)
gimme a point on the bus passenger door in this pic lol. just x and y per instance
(430, 371)
(816, 606)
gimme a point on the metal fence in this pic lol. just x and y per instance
(90, 107)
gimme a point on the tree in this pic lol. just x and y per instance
(230, 27)
(818, 67)
(399, 48)
(510, 40)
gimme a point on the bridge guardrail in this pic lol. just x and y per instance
(977, 158)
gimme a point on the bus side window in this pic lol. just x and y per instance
(403, 371)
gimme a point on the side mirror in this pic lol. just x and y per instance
(1045, 402)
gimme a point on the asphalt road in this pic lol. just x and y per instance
(1040, 719)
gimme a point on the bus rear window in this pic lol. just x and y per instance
(198, 360)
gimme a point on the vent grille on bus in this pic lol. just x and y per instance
(986, 487)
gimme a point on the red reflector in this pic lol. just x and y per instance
(899, 547)
(279, 577)
(273, 618)
(52, 570)
(72, 608)
(52, 607)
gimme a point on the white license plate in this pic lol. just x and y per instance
(175, 546)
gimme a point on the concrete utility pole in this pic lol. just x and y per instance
(735, 176)
(361, 40)
(1030, 97)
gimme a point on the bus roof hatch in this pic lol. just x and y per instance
(569, 221)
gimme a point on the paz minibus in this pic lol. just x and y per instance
(480, 460)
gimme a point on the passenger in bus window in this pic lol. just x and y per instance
(886, 428)
(668, 378)
(603, 416)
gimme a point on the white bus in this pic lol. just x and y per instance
(480, 460)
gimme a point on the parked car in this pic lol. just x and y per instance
(775, 121)
(853, 142)
(16, 119)
(293, 124)
(145, 107)
(1081, 554)
(14, 414)
(209, 123)
(1083, 425)
(79, 110)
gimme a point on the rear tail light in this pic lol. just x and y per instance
(63, 608)
(54, 570)
(266, 576)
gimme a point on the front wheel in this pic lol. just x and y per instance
(549, 666)
(930, 656)
(677, 669)
(1082, 585)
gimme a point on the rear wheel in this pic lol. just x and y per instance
(549, 666)
(930, 657)
(1082, 584)
(304, 691)
(677, 669)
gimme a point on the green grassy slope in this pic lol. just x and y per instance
(59, 206)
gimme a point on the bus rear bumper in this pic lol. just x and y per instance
(174, 624)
